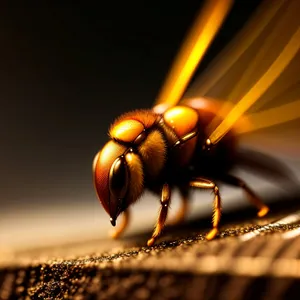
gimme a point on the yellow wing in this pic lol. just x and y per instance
(258, 70)
(200, 37)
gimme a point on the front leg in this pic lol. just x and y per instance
(217, 207)
(165, 202)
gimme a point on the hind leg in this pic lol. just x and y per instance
(252, 197)
(217, 207)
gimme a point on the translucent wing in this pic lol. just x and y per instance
(201, 35)
(258, 70)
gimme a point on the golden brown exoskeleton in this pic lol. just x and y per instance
(158, 152)
(194, 143)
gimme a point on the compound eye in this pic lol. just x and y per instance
(118, 178)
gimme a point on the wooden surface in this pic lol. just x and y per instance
(251, 259)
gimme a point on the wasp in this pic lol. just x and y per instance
(173, 145)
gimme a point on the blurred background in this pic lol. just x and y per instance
(67, 70)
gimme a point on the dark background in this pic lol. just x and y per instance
(67, 70)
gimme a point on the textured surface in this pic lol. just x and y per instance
(250, 259)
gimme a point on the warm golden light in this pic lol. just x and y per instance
(247, 58)
(259, 88)
(272, 117)
(194, 48)
(236, 49)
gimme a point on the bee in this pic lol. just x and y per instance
(193, 143)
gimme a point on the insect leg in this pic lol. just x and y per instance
(252, 197)
(165, 202)
(217, 207)
(186, 138)
(124, 223)
(179, 217)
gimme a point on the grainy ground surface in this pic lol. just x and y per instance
(251, 259)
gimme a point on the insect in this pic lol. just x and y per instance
(193, 143)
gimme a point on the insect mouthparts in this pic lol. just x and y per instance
(113, 222)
